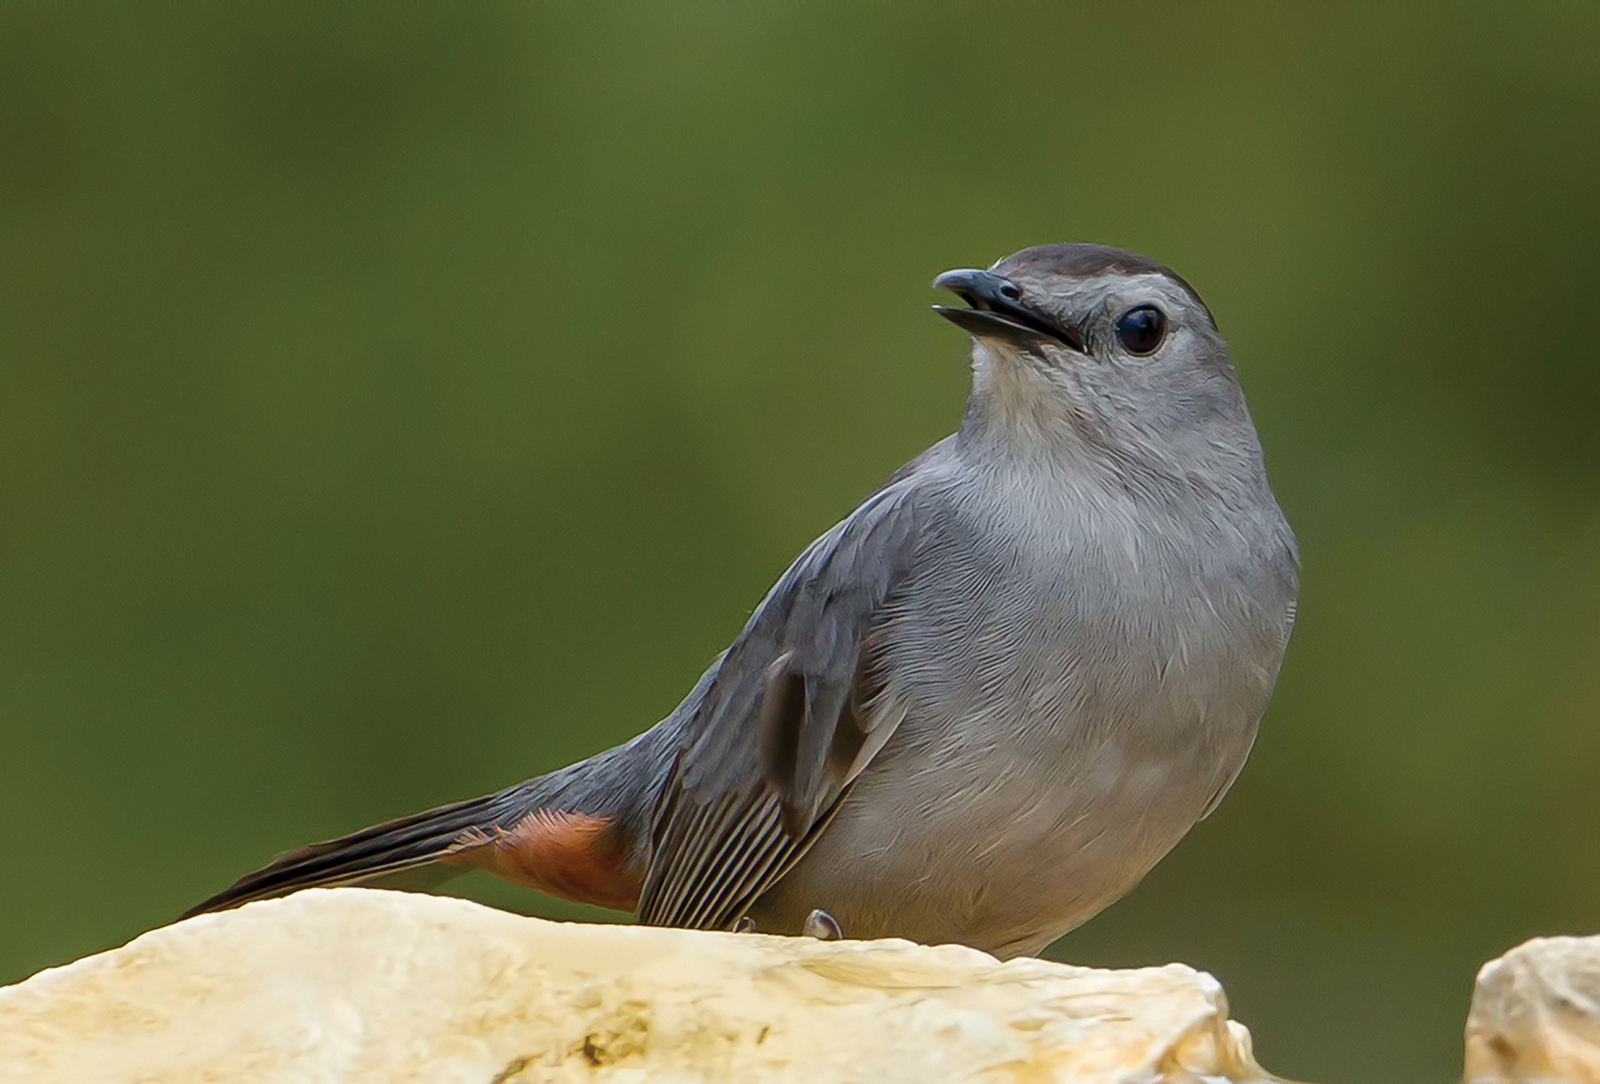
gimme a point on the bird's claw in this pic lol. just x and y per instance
(822, 926)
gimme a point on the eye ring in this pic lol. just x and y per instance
(1141, 330)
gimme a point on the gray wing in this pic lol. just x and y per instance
(791, 718)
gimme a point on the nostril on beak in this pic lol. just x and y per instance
(1011, 291)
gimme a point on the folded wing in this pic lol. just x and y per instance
(794, 714)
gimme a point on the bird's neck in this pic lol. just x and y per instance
(1020, 431)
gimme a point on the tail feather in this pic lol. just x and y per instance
(375, 853)
(579, 833)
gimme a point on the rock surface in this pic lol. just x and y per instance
(347, 985)
(1536, 1014)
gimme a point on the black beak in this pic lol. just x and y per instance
(998, 311)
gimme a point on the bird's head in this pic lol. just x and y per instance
(1092, 345)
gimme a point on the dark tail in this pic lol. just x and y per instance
(375, 853)
(579, 833)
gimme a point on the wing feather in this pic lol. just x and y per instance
(791, 717)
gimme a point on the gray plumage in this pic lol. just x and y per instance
(981, 707)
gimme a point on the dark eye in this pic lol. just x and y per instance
(1141, 330)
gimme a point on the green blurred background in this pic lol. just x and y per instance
(396, 402)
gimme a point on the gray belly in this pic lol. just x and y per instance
(1073, 702)
(952, 836)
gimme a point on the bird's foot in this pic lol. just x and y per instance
(746, 924)
(822, 926)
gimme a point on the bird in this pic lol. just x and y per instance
(978, 709)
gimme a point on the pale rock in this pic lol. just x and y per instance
(1536, 1014)
(348, 985)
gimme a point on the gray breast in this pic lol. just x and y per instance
(1076, 694)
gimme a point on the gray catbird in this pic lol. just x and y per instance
(980, 708)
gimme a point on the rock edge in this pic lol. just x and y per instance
(354, 985)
